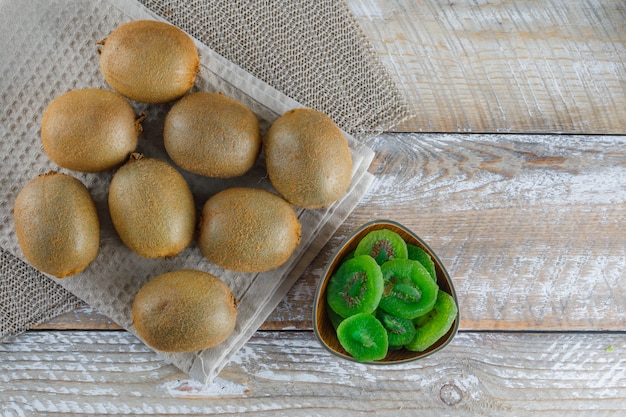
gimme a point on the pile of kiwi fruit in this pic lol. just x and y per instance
(150, 203)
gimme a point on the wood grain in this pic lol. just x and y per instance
(548, 66)
(530, 228)
(84, 317)
(288, 373)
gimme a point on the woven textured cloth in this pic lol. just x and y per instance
(27, 297)
(312, 52)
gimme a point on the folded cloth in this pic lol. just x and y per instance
(47, 56)
(27, 297)
(312, 51)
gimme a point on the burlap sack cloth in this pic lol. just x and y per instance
(278, 55)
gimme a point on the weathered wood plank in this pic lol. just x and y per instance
(82, 318)
(288, 373)
(552, 66)
(529, 227)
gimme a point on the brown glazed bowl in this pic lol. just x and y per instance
(324, 330)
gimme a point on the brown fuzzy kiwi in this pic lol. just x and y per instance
(308, 158)
(152, 208)
(212, 135)
(89, 130)
(184, 311)
(248, 230)
(56, 224)
(149, 61)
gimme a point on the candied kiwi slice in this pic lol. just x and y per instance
(356, 287)
(416, 253)
(334, 318)
(400, 331)
(382, 245)
(409, 291)
(363, 337)
(350, 255)
(435, 324)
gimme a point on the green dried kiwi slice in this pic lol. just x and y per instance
(409, 291)
(435, 324)
(356, 287)
(416, 253)
(363, 337)
(400, 331)
(382, 245)
(350, 255)
(334, 318)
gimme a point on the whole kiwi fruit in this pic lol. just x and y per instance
(308, 158)
(184, 311)
(149, 61)
(57, 224)
(248, 230)
(212, 135)
(152, 208)
(89, 130)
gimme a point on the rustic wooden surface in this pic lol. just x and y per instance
(529, 225)
(287, 374)
(549, 66)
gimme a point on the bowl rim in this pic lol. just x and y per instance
(324, 277)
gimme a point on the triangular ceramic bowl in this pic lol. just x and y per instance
(324, 330)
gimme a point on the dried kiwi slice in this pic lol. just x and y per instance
(356, 287)
(334, 318)
(363, 337)
(416, 253)
(382, 245)
(400, 331)
(436, 323)
(409, 291)
(350, 255)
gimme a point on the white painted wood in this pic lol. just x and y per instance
(530, 228)
(550, 66)
(288, 373)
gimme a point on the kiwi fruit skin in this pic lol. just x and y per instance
(248, 230)
(57, 224)
(184, 311)
(308, 159)
(212, 135)
(152, 207)
(89, 130)
(149, 61)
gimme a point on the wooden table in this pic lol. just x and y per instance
(513, 170)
